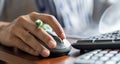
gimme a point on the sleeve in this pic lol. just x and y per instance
(14, 8)
(1, 7)
(48, 6)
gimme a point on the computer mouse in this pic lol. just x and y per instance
(63, 47)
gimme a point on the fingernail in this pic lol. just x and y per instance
(45, 53)
(52, 44)
(63, 36)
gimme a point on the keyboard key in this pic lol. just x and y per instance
(110, 62)
(109, 55)
(99, 62)
(103, 52)
(104, 58)
(99, 55)
(113, 52)
(94, 52)
(117, 55)
(87, 57)
(84, 61)
(115, 58)
(94, 58)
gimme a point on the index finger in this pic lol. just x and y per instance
(51, 20)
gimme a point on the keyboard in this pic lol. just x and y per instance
(99, 56)
(101, 41)
(103, 49)
(107, 36)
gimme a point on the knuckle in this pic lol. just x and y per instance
(17, 24)
(51, 17)
(32, 13)
(21, 19)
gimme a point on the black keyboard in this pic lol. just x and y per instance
(99, 56)
(102, 41)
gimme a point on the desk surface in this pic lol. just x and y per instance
(15, 56)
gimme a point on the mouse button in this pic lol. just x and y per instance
(66, 43)
(60, 46)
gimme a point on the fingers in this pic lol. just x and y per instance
(25, 40)
(20, 44)
(29, 25)
(51, 20)
(26, 23)
(28, 39)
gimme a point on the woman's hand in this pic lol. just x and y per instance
(19, 33)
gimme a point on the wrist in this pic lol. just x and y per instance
(3, 24)
(3, 30)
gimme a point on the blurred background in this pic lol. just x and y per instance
(79, 18)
